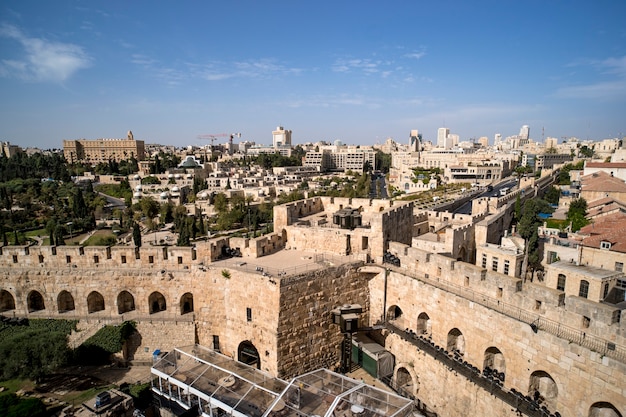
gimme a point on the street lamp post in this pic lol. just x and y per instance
(70, 225)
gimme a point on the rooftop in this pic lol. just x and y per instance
(589, 271)
(611, 229)
(601, 181)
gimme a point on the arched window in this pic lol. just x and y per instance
(35, 301)
(603, 409)
(7, 302)
(584, 289)
(156, 301)
(95, 302)
(125, 302)
(456, 341)
(493, 363)
(186, 303)
(543, 389)
(65, 302)
(248, 354)
(560, 282)
(394, 313)
(405, 384)
(423, 324)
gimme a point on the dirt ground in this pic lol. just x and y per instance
(71, 381)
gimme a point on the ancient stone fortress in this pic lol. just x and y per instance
(465, 340)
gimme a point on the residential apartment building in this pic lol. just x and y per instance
(341, 158)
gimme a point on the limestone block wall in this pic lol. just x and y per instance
(443, 392)
(96, 256)
(257, 247)
(307, 339)
(287, 214)
(491, 229)
(395, 228)
(238, 306)
(155, 334)
(581, 376)
(535, 298)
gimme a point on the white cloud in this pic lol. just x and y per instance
(415, 55)
(601, 90)
(42, 60)
(613, 86)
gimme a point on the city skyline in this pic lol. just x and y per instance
(359, 73)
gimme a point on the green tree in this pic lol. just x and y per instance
(32, 354)
(136, 235)
(518, 208)
(553, 195)
(576, 214)
(383, 161)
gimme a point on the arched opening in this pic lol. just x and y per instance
(35, 301)
(95, 302)
(156, 302)
(543, 389)
(493, 363)
(65, 302)
(247, 353)
(560, 282)
(125, 302)
(423, 325)
(583, 291)
(462, 254)
(603, 409)
(186, 303)
(394, 313)
(7, 302)
(405, 384)
(456, 341)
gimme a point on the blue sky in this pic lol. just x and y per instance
(358, 71)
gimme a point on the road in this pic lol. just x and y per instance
(467, 207)
(113, 202)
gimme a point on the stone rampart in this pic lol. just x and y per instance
(498, 313)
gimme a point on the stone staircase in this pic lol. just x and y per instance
(84, 330)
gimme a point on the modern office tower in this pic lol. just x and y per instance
(524, 132)
(103, 150)
(497, 139)
(414, 141)
(281, 137)
(442, 135)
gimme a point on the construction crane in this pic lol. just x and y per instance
(213, 136)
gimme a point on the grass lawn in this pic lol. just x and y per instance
(556, 224)
(79, 397)
(101, 238)
(14, 385)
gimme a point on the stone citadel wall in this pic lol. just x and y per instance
(220, 305)
(486, 316)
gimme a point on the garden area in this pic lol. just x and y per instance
(40, 374)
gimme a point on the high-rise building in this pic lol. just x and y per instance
(281, 137)
(442, 135)
(524, 133)
(414, 141)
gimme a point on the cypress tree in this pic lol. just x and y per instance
(136, 235)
